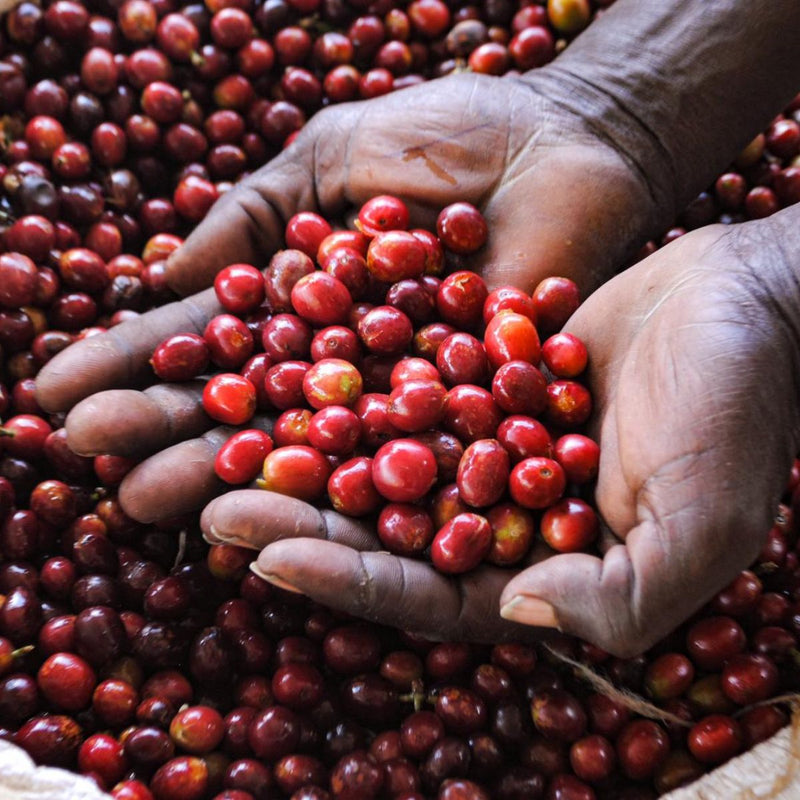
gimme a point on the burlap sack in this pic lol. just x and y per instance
(21, 779)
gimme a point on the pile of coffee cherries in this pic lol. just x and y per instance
(166, 670)
(132, 653)
(389, 404)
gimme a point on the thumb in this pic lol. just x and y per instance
(247, 223)
(639, 591)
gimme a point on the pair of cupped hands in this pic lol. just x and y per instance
(693, 361)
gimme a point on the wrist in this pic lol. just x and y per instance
(680, 87)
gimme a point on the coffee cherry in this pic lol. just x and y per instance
(642, 746)
(229, 398)
(181, 357)
(67, 681)
(50, 739)
(461, 544)
(715, 739)
(239, 287)
(395, 255)
(298, 471)
(197, 729)
(749, 678)
(241, 458)
(570, 525)
(403, 470)
(712, 641)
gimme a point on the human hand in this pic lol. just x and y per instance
(533, 168)
(694, 364)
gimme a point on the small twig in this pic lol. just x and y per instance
(625, 698)
(792, 698)
(181, 548)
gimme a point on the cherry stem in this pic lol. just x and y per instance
(417, 695)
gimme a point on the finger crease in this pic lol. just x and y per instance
(364, 588)
(462, 626)
(323, 530)
(197, 316)
(124, 349)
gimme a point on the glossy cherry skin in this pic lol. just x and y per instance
(642, 746)
(537, 482)
(749, 678)
(711, 641)
(67, 681)
(510, 336)
(332, 381)
(520, 388)
(351, 489)
(513, 530)
(405, 529)
(181, 357)
(570, 525)
(555, 300)
(462, 228)
(297, 471)
(239, 288)
(395, 256)
(403, 470)
(460, 299)
(241, 458)
(416, 405)
(483, 473)
(715, 739)
(461, 544)
(229, 398)
(197, 729)
(51, 739)
(383, 213)
(321, 299)
(334, 430)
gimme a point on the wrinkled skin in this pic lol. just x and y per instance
(555, 199)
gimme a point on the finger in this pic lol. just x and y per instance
(180, 479)
(120, 357)
(255, 518)
(124, 422)
(175, 481)
(401, 592)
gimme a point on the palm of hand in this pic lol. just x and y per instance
(695, 410)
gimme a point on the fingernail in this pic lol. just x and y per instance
(275, 580)
(215, 537)
(529, 611)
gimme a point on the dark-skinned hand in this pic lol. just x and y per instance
(533, 169)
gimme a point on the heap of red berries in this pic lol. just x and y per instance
(401, 393)
(165, 670)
